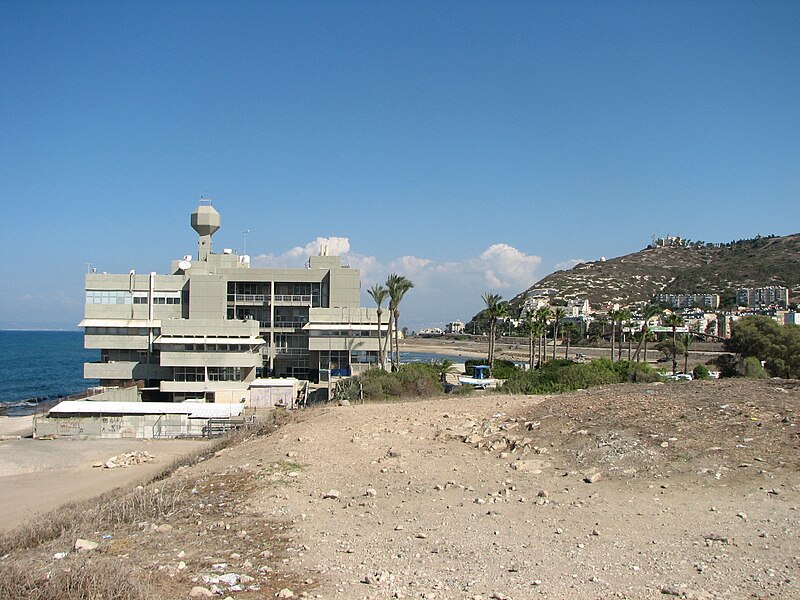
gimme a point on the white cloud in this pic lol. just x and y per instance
(568, 264)
(443, 291)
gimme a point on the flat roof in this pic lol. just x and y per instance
(195, 410)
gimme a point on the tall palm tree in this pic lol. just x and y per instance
(379, 294)
(529, 325)
(622, 316)
(613, 316)
(558, 314)
(494, 310)
(397, 285)
(687, 340)
(568, 328)
(649, 311)
(543, 315)
(674, 320)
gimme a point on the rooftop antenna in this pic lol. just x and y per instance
(245, 232)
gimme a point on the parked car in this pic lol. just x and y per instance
(678, 376)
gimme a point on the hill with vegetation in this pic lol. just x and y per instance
(681, 267)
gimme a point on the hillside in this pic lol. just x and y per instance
(631, 491)
(696, 268)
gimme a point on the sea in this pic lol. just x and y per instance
(38, 368)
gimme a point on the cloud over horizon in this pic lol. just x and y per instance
(443, 290)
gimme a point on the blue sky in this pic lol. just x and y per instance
(473, 146)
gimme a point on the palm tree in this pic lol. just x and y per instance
(613, 316)
(674, 320)
(543, 315)
(649, 311)
(687, 340)
(397, 286)
(379, 294)
(622, 316)
(569, 328)
(531, 326)
(558, 314)
(494, 310)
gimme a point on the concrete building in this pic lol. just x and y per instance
(454, 327)
(689, 300)
(763, 297)
(214, 325)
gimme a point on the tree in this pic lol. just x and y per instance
(530, 327)
(614, 316)
(569, 329)
(558, 314)
(687, 340)
(494, 310)
(543, 315)
(379, 294)
(763, 339)
(397, 285)
(674, 320)
(648, 313)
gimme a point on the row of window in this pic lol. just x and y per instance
(345, 333)
(205, 347)
(120, 331)
(198, 374)
(122, 297)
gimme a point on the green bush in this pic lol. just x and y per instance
(502, 369)
(700, 372)
(411, 380)
(753, 369)
(765, 340)
(563, 375)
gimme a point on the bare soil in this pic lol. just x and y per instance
(632, 491)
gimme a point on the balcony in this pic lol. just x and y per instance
(283, 325)
(292, 300)
(123, 369)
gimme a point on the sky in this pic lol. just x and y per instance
(471, 146)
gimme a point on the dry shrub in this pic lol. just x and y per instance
(149, 503)
(80, 579)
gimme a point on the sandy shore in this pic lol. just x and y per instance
(37, 476)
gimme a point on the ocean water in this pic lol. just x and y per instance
(41, 365)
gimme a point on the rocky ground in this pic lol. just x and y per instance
(635, 491)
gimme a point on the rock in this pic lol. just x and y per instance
(329, 495)
(285, 593)
(60, 555)
(164, 528)
(370, 492)
(85, 545)
(593, 477)
(201, 592)
(229, 579)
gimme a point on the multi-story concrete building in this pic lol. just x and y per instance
(215, 324)
(763, 296)
(689, 300)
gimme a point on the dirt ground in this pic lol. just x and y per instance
(687, 489)
(37, 476)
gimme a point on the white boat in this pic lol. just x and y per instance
(480, 379)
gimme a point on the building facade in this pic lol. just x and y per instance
(689, 300)
(215, 324)
(763, 297)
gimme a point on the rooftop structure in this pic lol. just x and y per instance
(214, 324)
